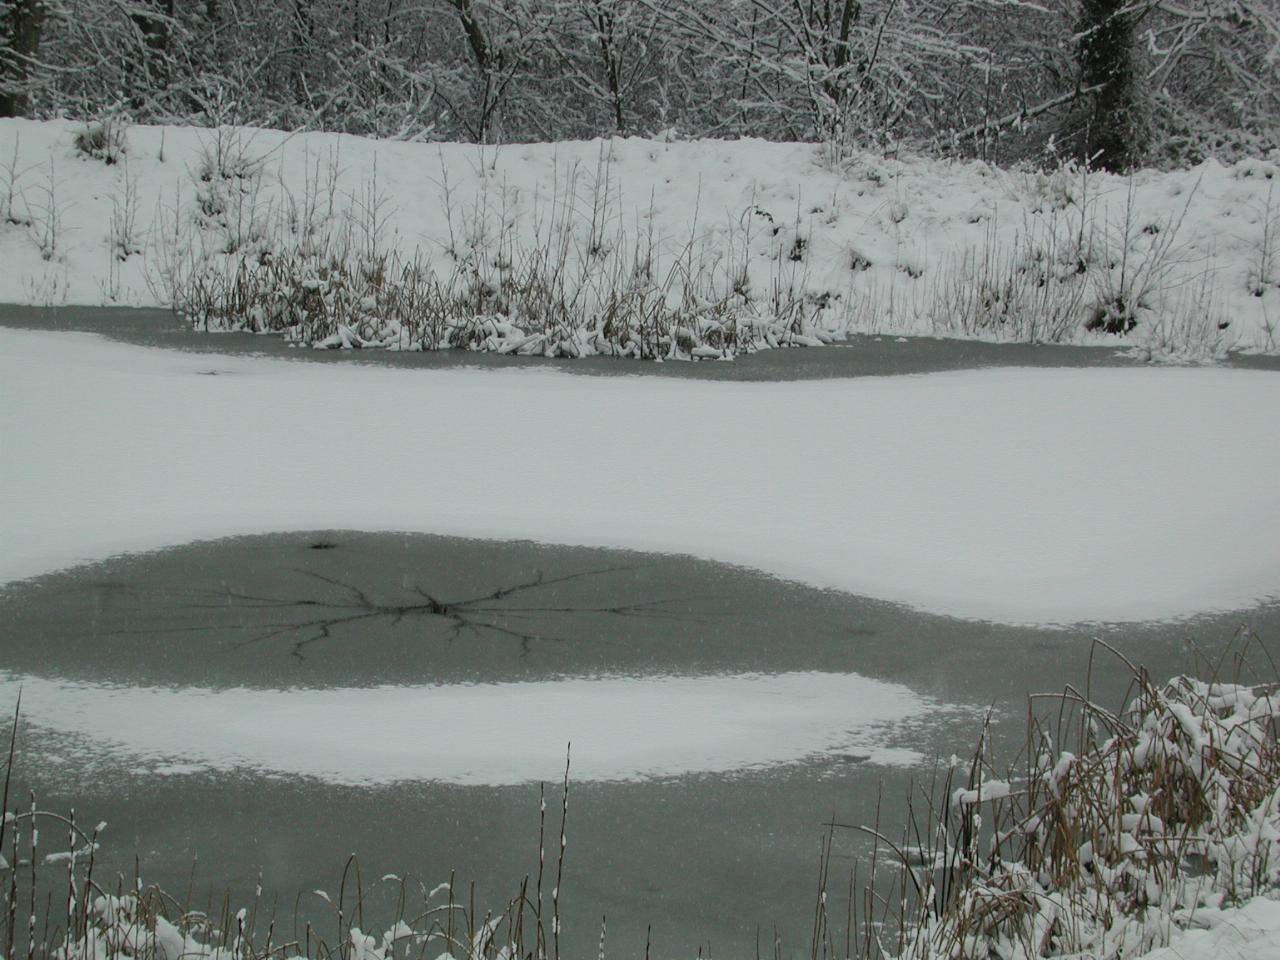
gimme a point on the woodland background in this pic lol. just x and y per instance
(1114, 82)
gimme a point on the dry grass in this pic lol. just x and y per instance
(533, 302)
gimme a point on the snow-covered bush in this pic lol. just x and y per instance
(530, 305)
(1157, 809)
(103, 140)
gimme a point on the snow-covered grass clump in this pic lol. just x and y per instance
(1158, 811)
(636, 247)
(1157, 824)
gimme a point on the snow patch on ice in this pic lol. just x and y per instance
(621, 728)
(1013, 495)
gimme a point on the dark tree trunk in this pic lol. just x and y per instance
(304, 26)
(604, 24)
(1112, 136)
(488, 65)
(20, 33)
(153, 24)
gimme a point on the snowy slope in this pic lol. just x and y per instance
(884, 243)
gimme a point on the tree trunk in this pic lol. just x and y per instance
(488, 65)
(153, 24)
(304, 27)
(20, 35)
(604, 24)
(1112, 136)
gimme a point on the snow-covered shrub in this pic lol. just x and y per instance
(1265, 271)
(1138, 260)
(103, 140)
(1166, 805)
(228, 182)
(11, 176)
(1031, 291)
(548, 300)
(125, 238)
(1191, 328)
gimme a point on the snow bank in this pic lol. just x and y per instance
(1165, 814)
(893, 245)
(621, 728)
(1017, 495)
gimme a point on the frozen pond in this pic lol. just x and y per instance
(718, 718)
(270, 704)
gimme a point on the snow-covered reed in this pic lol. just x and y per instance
(533, 304)
(578, 284)
(722, 245)
(1121, 825)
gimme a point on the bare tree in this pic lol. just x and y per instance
(20, 25)
(607, 52)
(1214, 69)
(154, 20)
(988, 77)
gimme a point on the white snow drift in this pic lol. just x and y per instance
(489, 734)
(1018, 495)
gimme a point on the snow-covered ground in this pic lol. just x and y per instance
(1248, 932)
(890, 245)
(1014, 495)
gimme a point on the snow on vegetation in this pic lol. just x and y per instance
(1049, 496)
(631, 247)
(622, 728)
(1160, 815)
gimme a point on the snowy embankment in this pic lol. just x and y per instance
(631, 246)
(1019, 495)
